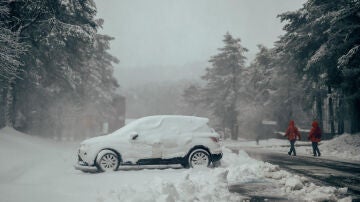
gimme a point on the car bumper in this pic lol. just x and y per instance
(83, 166)
(216, 157)
(86, 168)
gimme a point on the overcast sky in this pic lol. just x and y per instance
(178, 32)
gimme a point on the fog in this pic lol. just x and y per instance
(164, 42)
(95, 64)
(176, 33)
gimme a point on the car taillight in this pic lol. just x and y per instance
(215, 139)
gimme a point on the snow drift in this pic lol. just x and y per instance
(344, 146)
(41, 170)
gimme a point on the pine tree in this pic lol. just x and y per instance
(223, 88)
(10, 51)
(260, 74)
(59, 36)
(11, 48)
(320, 36)
(66, 67)
(344, 44)
(275, 91)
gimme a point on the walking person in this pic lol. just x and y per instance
(292, 133)
(315, 137)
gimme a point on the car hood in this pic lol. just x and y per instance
(95, 140)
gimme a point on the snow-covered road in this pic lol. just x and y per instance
(326, 171)
(41, 170)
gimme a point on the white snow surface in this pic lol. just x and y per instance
(41, 170)
(342, 147)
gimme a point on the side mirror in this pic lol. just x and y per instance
(134, 135)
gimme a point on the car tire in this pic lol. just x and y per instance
(107, 160)
(198, 158)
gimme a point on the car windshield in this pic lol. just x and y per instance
(127, 129)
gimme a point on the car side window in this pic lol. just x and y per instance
(204, 128)
(146, 126)
(170, 127)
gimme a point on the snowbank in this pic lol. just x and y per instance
(342, 147)
(345, 146)
(42, 170)
(190, 185)
(268, 143)
(212, 184)
(300, 188)
(243, 169)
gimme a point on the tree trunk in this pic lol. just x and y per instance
(234, 125)
(355, 116)
(9, 102)
(234, 131)
(340, 115)
(2, 106)
(331, 112)
(319, 104)
(224, 125)
(234, 114)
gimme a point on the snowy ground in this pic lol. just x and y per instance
(35, 169)
(343, 147)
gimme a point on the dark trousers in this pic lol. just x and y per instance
(315, 148)
(292, 147)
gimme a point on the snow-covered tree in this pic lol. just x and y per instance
(10, 47)
(67, 65)
(274, 91)
(10, 51)
(223, 83)
(320, 40)
(258, 89)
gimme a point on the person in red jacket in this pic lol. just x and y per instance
(315, 137)
(292, 133)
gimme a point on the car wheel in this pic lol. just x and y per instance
(199, 158)
(107, 161)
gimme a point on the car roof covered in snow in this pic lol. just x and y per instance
(175, 117)
(189, 123)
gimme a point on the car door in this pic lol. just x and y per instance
(147, 142)
(137, 140)
(138, 148)
(172, 138)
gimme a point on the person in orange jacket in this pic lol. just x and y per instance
(315, 137)
(292, 133)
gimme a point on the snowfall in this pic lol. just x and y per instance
(41, 170)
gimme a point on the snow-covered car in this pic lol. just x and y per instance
(152, 141)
